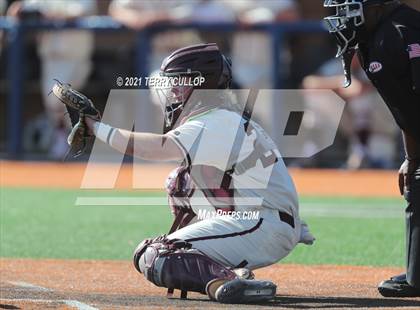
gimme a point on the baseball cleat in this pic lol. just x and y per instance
(397, 286)
(244, 273)
(239, 291)
(212, 287)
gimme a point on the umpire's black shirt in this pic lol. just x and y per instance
(391, 60)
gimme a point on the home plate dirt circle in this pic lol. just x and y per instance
(88, 284)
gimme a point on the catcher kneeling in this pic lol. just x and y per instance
(228, 164)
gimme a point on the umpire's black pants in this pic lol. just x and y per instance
(412, 195)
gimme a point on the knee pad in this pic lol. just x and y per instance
(138, 253)
(177, 266)
(141, 259)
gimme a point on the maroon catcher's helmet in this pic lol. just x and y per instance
(202, 62)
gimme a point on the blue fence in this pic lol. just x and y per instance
(16, 31)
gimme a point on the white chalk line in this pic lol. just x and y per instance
(328, 209)
(352, 210)
(72, 303)
(79, 305)
(30, 286)
(30, 300)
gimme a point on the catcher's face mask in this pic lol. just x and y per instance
(173, 97)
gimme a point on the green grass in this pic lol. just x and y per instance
(46, 224)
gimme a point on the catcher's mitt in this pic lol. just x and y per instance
(78, 107)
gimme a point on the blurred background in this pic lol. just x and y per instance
(89, 43)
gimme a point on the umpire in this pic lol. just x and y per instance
(386, 36)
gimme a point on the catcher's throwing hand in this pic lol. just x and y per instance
(79, 107)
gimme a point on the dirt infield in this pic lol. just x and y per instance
(308, 181)
(70, 284)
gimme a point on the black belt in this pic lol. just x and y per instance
(287, 218)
